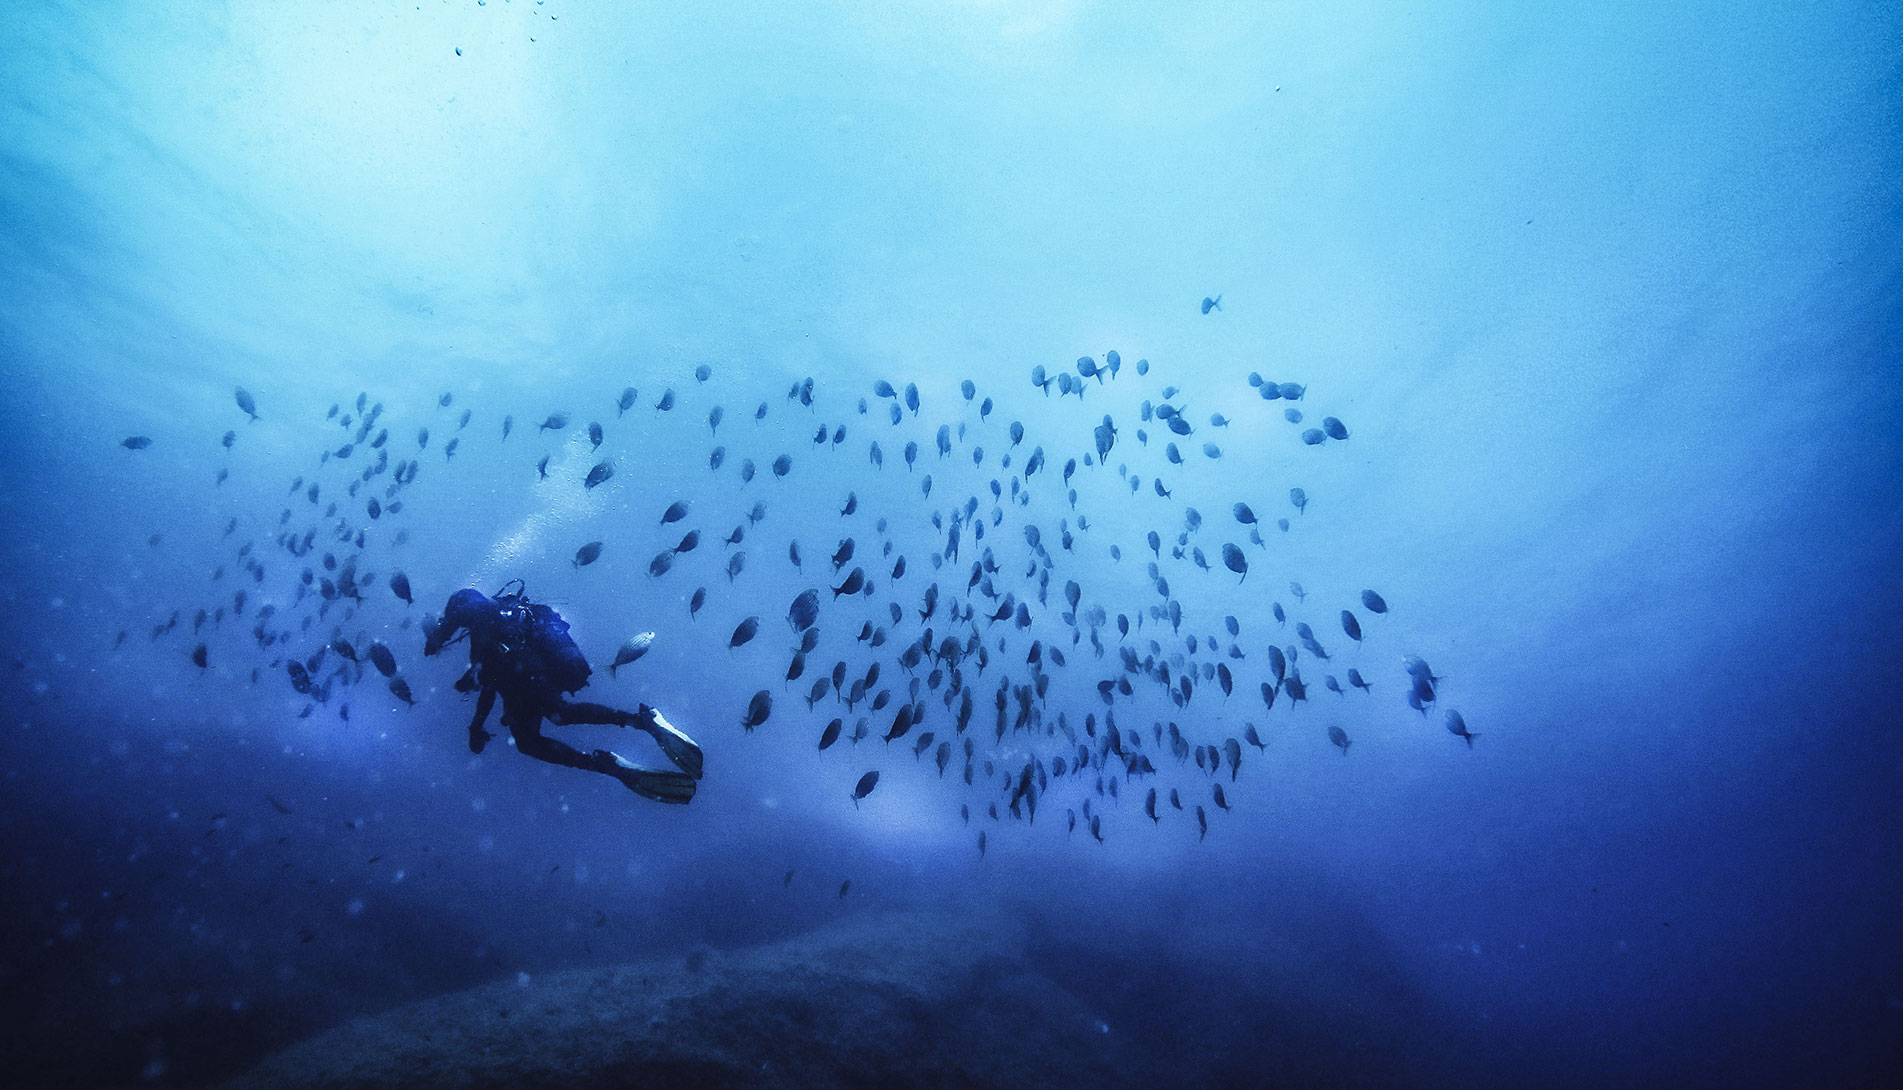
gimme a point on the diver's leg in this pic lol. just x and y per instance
(678, 746)
(530, 741)
(674, 787)
(478, 737)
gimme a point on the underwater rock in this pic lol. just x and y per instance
(886, 999)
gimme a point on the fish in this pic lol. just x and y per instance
(901, 723)
(1334, 428)
(1457, 726)
(855, 581)
(703, 372)
(1373, 602)
(1233, 559)
(508, 425)
(199, 654)
(401, 690)
(831, 733)
(689, 542)
(666, 404)
(1314, 437)
(782, 465)
(1339, 737)
(1351, 626)
(245, 403)
(540, 467)
(694, 603)
(675, 512)
(758, 709)
(594, 435)
(600, 474)
(587, 554)
(136, 442)
(847, 884)
(1299, 498)
(631, 651)
(662, 562)
(744, 632)
(384, 661)
(804, 611)
(1209, 304)
(866, 783)
(626, 401)
(1355, 679)
(554, 422)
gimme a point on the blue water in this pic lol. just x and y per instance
(1607, 301)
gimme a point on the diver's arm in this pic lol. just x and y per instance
(438, 636)
(478, 737)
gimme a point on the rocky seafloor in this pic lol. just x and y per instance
(883, 999)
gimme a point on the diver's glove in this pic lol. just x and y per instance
(478, 738)
(679, 748)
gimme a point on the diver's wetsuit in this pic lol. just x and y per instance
(504, 661)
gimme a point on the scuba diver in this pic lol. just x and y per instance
(522, 651)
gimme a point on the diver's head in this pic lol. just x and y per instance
(466, 608)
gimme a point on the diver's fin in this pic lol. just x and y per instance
(670, 787)
(679, 747)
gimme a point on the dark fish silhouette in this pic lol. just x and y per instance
(400, 586)
(602, 471)
(744, 632)
(1457, 727)
(136, 442)
(866, 783)
(1209, 304)
(1374, 602)
(625, 402)
(1340, 738)
(758, 709)
(555, 422)
(587, 554)
(245, 404)
(675, 512)
(804, 612)
(855, 580)
(1233, 559)
(384, 661)
(666, 404)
